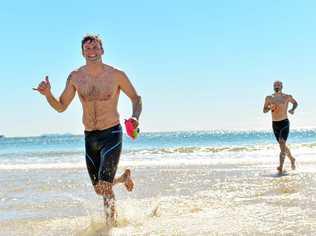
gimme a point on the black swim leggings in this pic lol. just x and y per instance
(103, 150)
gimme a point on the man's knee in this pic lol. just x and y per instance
(282, 141)
(282, 144)
(103, 188)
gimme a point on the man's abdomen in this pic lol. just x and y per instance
(100, 116)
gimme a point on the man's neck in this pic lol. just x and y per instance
(94, 66)
(278, 93)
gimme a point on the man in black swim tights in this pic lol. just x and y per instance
(278, 103)
(98, 86)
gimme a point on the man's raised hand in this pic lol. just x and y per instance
(44, 87)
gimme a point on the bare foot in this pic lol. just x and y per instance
(279, 170)
(293, 166)
(128, 182)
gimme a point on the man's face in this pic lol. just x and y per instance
(277, 86)
(92, 50)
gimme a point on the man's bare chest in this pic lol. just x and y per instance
(279, 100)
(101, 88)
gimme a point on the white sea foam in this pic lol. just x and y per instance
(303, 154)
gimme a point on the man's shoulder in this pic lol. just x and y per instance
(287, 96)
(268, 97)
(113, 69)
(78, 70)
(116, 72)
(76, 73)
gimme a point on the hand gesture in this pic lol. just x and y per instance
(44, 87)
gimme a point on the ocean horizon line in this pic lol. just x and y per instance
(215, 131)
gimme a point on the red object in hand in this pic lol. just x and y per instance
(130, 129)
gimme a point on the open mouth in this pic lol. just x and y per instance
(92, 57)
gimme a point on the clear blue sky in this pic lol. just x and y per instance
(197, 64)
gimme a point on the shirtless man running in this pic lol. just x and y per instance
(98, 86)
(278, 105)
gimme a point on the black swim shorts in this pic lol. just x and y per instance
(281, 129)
(103, 150)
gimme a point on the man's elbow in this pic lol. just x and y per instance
(61, 109)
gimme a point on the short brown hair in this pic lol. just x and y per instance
(278, 81)
(91, 38)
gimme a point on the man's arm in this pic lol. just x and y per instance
(130, 91)
(295, 104)
(267, 105)
(65, 98)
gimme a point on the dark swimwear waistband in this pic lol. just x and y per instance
(104, 131)
(280, 121)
